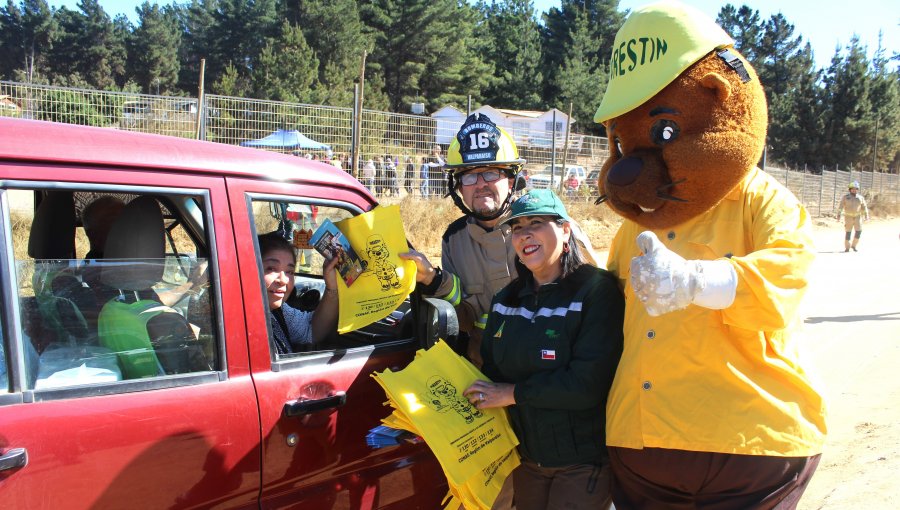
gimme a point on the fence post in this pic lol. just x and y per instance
(355, 124)
(199, 133)
(834, 193)
(562, 174)
(821, 189)
(553, 150)
(802, 186)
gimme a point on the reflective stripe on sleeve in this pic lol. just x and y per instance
(481, 322)
(455, 295)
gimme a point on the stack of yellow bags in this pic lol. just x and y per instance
(476, 448)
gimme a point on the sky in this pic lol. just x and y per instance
(824, 23)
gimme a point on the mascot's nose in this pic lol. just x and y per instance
(625, 171)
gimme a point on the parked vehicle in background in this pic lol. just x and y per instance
(543, 179)
(143, 374)
(135, 112)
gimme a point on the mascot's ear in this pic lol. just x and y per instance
(717, 83)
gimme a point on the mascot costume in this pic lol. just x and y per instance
(711, 406)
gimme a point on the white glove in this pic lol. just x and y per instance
(665, 282)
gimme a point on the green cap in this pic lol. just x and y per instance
(538, 202)
(654, 46)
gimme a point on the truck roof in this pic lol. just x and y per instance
(48, 142)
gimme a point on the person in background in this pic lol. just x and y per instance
(554, 338)
(853, 206)
(295, 330)
(409, 175)
(423, 178)
(390, 176)
(571, 185)
(368, 175)
(379, 176)
(96, 219)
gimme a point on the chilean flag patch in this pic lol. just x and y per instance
(548, 354)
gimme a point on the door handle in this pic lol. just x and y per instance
(300, 407)
(14, 458)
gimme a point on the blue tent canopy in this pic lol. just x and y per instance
(286, 139)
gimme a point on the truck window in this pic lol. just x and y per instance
(111, 286)
(295, 222)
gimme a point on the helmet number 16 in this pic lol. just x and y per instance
(480, 140)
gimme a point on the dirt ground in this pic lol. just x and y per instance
(852, 336)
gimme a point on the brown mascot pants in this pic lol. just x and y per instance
(655, 478)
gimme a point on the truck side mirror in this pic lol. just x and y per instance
(440, 323)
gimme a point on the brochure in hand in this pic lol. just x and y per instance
(331, 242)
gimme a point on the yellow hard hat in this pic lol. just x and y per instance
(853, 184)
(655, 45)
(480, 142)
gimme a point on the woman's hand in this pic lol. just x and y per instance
(424, 270)
(487, 395)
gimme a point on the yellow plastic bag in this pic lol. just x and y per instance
(476, 448)
(377, 237)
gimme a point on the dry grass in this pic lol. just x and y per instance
(426, 220)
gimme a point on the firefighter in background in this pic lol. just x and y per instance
(853, 206)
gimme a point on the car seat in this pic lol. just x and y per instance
(150, 338)
(67, 306)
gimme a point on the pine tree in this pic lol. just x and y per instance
(91, 48)
(333, 30)
(848, 107)
(286, 68)
(421, 49)
(515, 53)
(578, 80)
(153, 49)
(885, 98)
(238, 34)
(744, 26)
(27, 33)
(604, 20)
(197, 23)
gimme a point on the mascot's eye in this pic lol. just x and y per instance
(618, 145)
(664, 131)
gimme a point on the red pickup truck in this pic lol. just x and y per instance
(139, 371)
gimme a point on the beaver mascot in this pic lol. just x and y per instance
(711, 407)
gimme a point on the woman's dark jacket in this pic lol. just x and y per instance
(560, 346)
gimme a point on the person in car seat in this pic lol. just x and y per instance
(295, 330)
(97, 218)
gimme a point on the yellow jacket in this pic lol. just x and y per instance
(727, 381)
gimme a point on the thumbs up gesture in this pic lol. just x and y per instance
(664, 281)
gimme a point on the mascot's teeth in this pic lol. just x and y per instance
(645, 209)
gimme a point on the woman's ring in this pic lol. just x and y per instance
(481, 397)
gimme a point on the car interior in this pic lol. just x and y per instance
(142, 310)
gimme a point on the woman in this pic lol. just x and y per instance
(295, 330)
(551, 345)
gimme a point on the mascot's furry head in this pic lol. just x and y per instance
(685, 115)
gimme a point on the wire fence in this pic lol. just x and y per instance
(399, 154)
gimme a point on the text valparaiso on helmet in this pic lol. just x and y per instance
(481, 143)
(853, 185)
